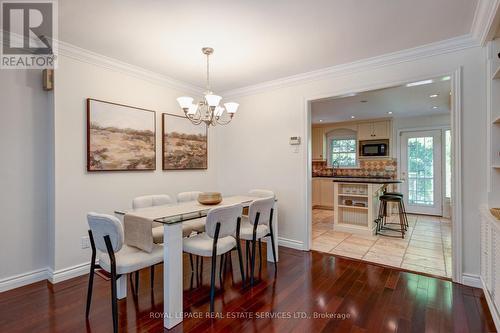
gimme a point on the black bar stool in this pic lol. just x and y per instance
(399, 194)
(382, 215)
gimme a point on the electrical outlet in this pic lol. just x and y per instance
(85, 242)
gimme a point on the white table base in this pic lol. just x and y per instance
(172, 275)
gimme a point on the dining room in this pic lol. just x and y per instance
(157, 169)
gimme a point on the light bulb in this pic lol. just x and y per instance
(185, 102)
(192, 109)
(231, 107)
(212, 100)
(218, 111)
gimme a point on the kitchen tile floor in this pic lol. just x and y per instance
(426, 247)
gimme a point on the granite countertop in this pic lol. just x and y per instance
(365, 180)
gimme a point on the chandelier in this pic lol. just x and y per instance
(208, 110)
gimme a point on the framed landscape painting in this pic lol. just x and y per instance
(120, 137)
(184, 144)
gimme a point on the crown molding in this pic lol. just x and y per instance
(420, 52)
(483, 24)
(84, 55)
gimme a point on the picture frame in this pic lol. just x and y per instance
(120, 137)
(184, 145)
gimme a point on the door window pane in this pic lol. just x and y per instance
(421, 171)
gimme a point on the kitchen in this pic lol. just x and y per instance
(357, 141)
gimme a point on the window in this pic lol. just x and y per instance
(343, 153)
(342, 148)
(447, 170)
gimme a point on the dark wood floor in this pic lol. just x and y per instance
(363, 297)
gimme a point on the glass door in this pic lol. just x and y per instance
(421, 171)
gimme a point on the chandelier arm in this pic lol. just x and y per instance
(195, 122)
(223, 122)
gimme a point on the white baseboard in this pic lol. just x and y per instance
(491, 305)
(68, 273)
(472, 280)
(23, 279)
(291, 243)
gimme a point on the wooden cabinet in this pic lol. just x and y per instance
(489, 257)
(322, 193)
(326, 193)
(318, 143)
(374, 130)
(316, 192)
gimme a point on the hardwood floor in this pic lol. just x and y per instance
(364, 298)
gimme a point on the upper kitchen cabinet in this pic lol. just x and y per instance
(318, 144)
(374, 130)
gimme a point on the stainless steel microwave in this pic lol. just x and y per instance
(374, 148)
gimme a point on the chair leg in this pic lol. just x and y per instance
(136, 282)
(252, 265)
(114, 305)
(191, 261)
(212, 283)
(221, 268)
(247, 255)
(240, 259)
(273, 246)
(260, 257)
(90, 288)
(201, 270)
(401, 220)
(152, 276)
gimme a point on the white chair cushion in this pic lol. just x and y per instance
(202, 244)
(130, 259)
(197, 225)
(246, 229)
(188, 227)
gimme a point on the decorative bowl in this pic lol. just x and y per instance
(495, 212)
(210, 198)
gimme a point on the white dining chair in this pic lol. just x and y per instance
(153, 200)
(261, 193)
(254, 227)
(188, 196)
(220, 237)
(107, 243)
(197, 225)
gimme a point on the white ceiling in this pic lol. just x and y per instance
(402, 101)
(257, 40)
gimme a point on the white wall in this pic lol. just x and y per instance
(254, 150)
(78, 192)
(24, 141)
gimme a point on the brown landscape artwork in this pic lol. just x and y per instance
(184, 144)
(119, 137)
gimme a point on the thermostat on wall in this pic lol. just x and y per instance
(295, 140)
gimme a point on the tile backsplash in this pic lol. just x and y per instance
(367, 168)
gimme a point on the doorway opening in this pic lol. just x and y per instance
(398, 139)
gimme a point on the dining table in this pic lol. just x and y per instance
(171, 217)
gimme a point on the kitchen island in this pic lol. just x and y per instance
(356, 203)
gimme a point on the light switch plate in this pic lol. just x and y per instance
(85, 242)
